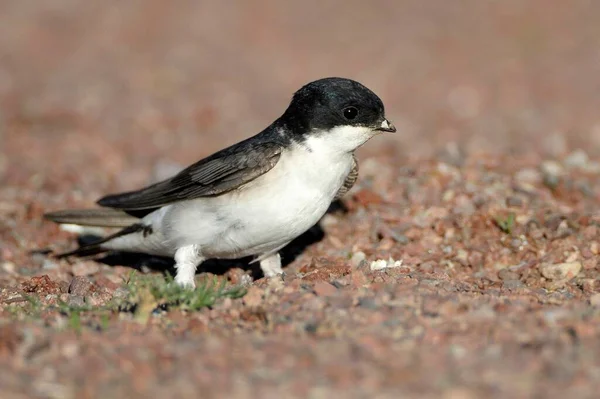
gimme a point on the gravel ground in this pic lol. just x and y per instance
(464, 264)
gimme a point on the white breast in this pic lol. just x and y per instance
(268, 212)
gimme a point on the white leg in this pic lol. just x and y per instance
(186, 261)
(271, 265)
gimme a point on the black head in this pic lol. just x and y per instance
(332, 102)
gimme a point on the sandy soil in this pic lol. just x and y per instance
(488, 194)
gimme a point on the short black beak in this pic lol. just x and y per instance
(386, 126)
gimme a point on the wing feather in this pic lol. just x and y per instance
(222, 172)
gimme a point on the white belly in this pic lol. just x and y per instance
(262, 216)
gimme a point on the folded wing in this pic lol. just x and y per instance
(223, 171)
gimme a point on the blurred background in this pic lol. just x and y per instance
(97, 93)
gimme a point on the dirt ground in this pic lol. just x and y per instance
(488, 195)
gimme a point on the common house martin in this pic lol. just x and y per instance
(250, 199)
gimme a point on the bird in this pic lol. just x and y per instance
(249, 199)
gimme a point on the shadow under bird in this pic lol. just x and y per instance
(250, 199)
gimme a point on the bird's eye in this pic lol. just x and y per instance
(350, 113)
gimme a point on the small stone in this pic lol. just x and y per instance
(80, 285)
(381, 264)
(578, 159)
(513, 284)
(313, 304)
(552, 172)
(70, 349)
(514, 202)
(552, 168)
(463, 205)
(595, 300)
(563, 230)
(47, 264)
(323, 288)
(85, 268)
(593, 167)
(340, 282)
(427, 267)
(452, 154)
(528, 175)
(328, 220)
(368, 303)
(507, 274)
(590, 232)
(253, 297)
(367, 197)
(41, 284)
(560, 271)
(359, 279)
(245, 280)
(357, 258)
(76, 301)
(120, 293)
(9, 268)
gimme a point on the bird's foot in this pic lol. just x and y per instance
(187, 260)
(271, 265)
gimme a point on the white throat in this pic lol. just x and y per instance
(339, 140)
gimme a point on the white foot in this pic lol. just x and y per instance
(187, 260)
(271, 265)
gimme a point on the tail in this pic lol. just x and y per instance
(101, 217)
(96, 246)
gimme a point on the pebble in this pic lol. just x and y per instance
(452, 154)
(507, 275)
(80, 285)
(560, 271)
(381, 264)
(513, 284)
(76, 300)
(595, 300)
(85, 268)
(528, 175)
(514, 202)
(357, 258)
(120, 293)
(253, 297)
(47, 264)
(323, 288)
(578, 159)
(9, 267)
(368, 303)
(359, 279)
(551, 171)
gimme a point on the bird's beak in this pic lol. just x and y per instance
(386, 126)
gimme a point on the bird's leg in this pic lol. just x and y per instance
(186, 260)
(271, 265)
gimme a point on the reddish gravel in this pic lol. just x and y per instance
(482, 210)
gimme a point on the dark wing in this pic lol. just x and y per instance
(223, 171)
(350, 180)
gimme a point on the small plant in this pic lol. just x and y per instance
(30, 307)
(149, 293)
(75, 322)
(168, 294)
(506, 224)
(143, 296)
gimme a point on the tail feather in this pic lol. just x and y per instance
(102, 217)
(96, 246)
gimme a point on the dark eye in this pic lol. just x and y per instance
(350, 113)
